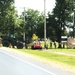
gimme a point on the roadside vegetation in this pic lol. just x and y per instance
(50, 55)
(13, 25)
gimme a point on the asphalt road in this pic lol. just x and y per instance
(14, 64)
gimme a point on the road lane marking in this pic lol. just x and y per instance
(28, 63)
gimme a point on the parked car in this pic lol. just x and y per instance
(36, 45)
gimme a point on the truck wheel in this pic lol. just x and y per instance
(19, 45)
(5, 43)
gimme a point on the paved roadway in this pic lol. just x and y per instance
(14, 64)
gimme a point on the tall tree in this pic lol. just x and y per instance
(40, 26)
(33, 19)
(6, 15)
(51, 27)
(62, 12)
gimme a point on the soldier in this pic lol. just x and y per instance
(55, 44)
(50, 44)
(0, 41)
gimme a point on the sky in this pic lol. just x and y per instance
(34, 4)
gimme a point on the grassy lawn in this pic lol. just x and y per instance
(69, 60)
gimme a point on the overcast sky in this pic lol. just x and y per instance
(34, 4)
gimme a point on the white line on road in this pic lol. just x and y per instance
(28, 63)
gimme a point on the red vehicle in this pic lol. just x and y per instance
(36, 45)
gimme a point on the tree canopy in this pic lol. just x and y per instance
(33, 21)
(57, 22)
(7, 13)
(62, 13)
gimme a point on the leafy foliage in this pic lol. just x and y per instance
(33, 21)
(62, 12)
(7, 16)
(34, 37)
(57, 22)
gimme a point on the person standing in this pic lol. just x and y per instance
(55, 44)
(50, 44)
(0, 41)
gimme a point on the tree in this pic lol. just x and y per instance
(33, 19)
(51, 27)
(40, 26)
(34, 37)
(7, 16)
(62, 12)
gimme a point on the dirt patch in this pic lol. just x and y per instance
(60, 53)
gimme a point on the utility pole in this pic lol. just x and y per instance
(74, 24)
(45, 23)
(24, 26)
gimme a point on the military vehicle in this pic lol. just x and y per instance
(14, 42)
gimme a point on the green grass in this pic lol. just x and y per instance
(69, 60)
